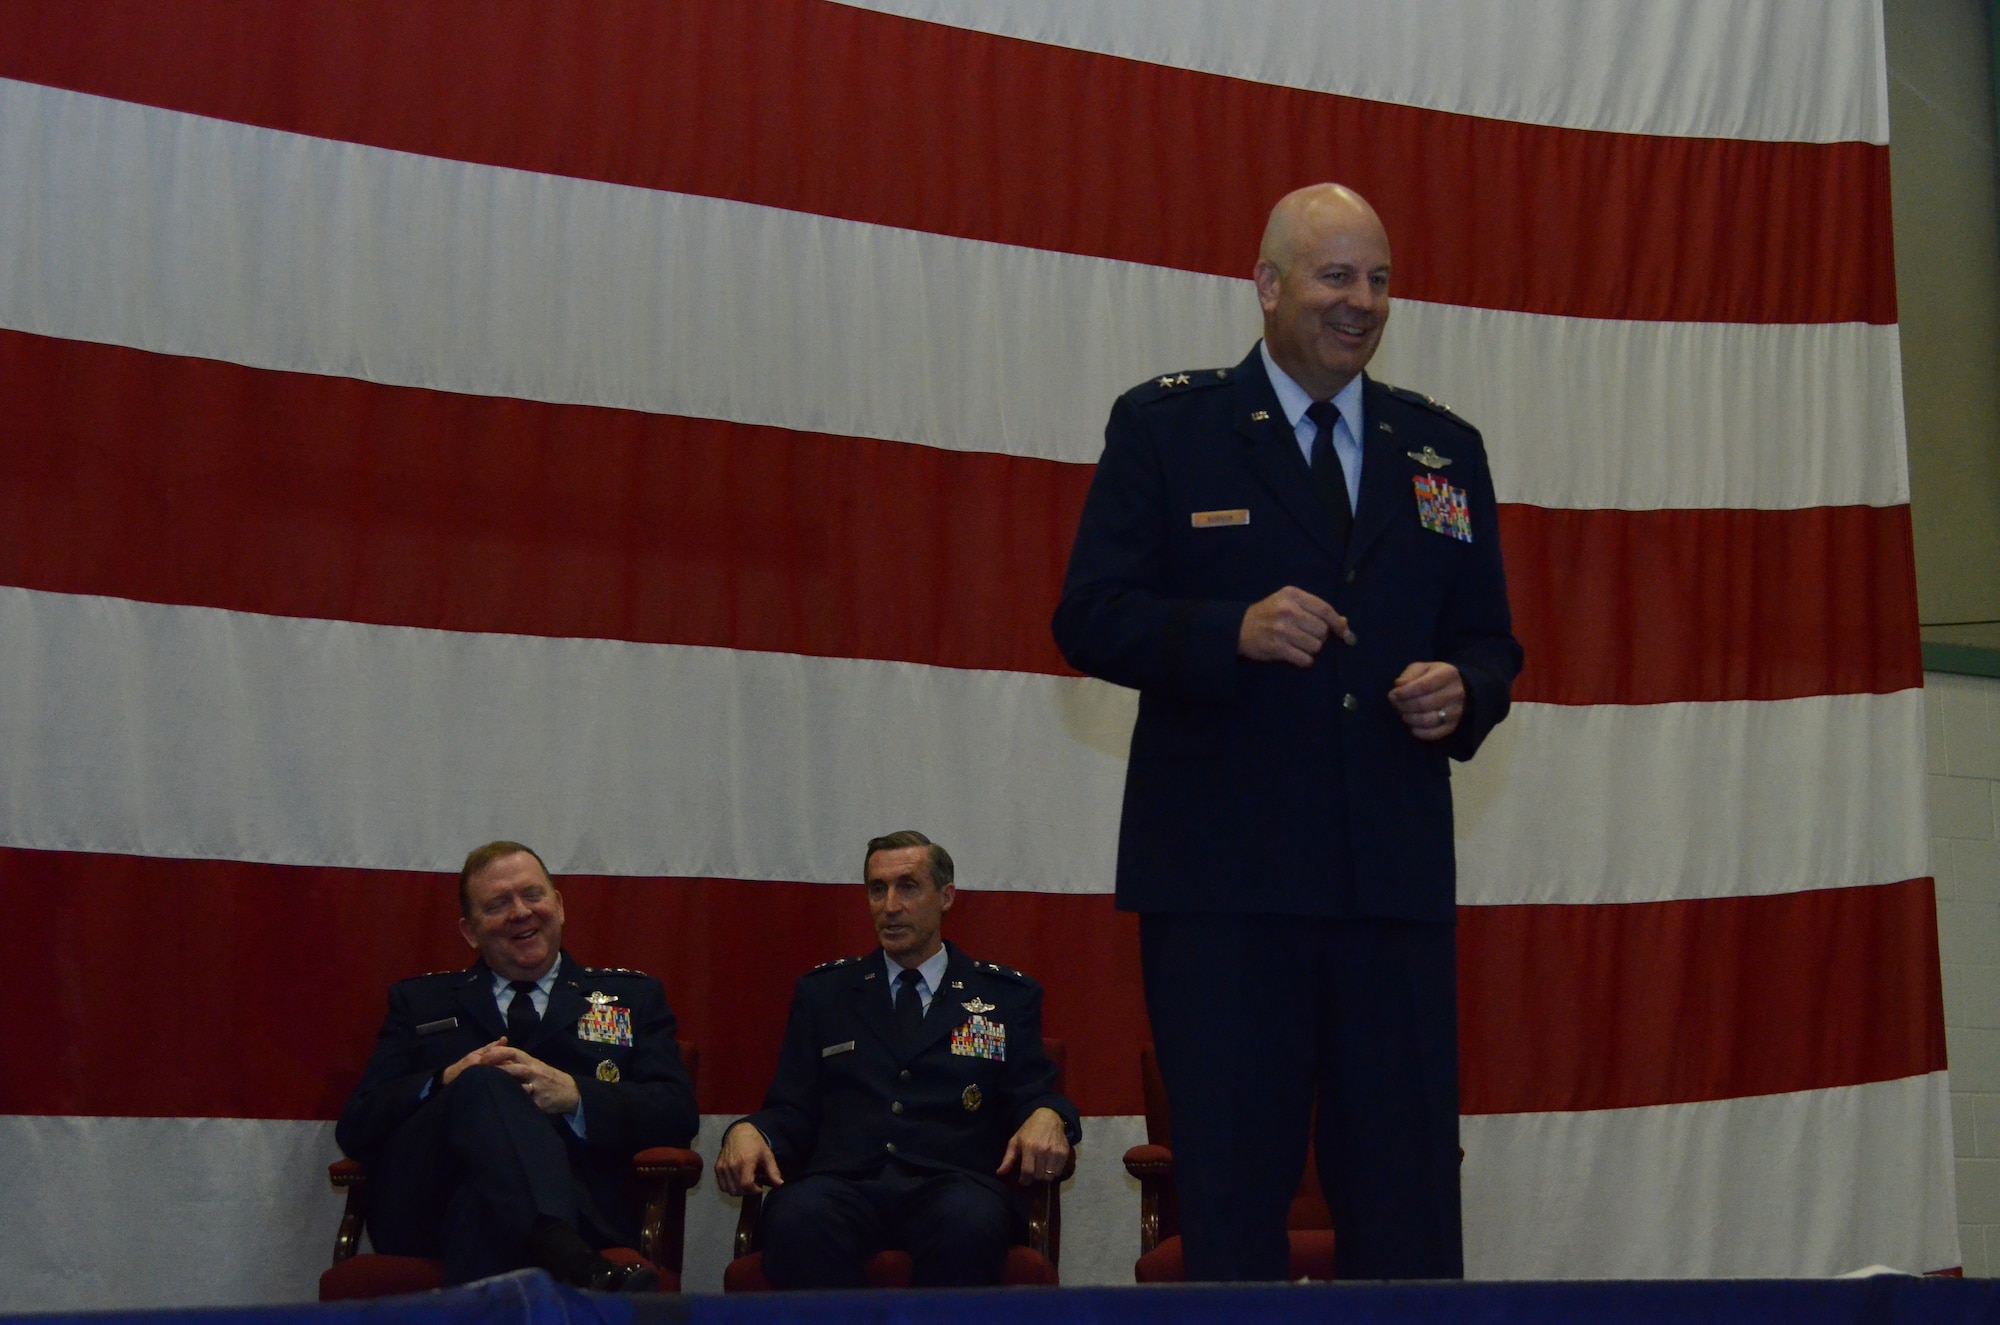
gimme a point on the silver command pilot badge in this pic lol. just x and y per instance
(607, 1071)
(1428, 458)
(978, 1005)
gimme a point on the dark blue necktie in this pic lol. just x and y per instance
(521, 1015)
(909, 1007)
(1328, 479)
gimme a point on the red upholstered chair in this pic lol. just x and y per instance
(1160, 1260)
(1029, 1264)
(661, 1178)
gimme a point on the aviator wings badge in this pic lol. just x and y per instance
(978, 1005)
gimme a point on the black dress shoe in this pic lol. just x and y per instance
(608, 1276)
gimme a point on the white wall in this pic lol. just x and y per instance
(1962, 714)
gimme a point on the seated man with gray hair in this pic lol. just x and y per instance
(911, 1085)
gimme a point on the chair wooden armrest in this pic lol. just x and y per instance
(348, 1176)
(749, 1233)
(1045, 1212)
(664, 1176)
(1153, 1166)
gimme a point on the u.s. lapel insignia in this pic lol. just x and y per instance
(978, 1005)
(607, 1071)
(958, 984)
(1428, 458)
(1260, 416)
(971, 1099)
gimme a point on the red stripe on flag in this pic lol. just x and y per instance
(828, 109)
(1652, 607)
(265, 984)
(191, 481)
(276, 976)
(1608, 1007)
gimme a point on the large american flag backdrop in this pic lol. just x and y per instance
(655, 431)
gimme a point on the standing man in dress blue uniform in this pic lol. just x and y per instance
(910, 1087)
(500, 1112)
(1299, 570)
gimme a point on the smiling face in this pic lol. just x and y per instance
(514, 917)
(1323, 283)
(906, 904)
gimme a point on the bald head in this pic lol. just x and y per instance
(1305, 212)
(1323, 283)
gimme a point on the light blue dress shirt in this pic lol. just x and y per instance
(929, 975)
(1292, 399)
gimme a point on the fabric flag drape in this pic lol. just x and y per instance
(655, 432)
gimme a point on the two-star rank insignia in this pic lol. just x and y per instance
(1175, 380)
(1428, 458)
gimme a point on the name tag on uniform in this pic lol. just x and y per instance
(844, 1047)
(1442, 509)
(441, 1024)
(1217, 519)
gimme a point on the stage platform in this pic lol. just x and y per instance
(531, 1298)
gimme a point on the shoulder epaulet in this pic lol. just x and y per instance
(1176, 384)
(1422, 401)
(834, 964)
(466, 971)
(1006, 972)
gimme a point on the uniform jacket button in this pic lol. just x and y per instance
(1349, 577)
(890, 1146)
(903, 1075)
(897, 1107)
(1350, 703)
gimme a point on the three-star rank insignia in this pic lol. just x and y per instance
(607, 1071)
(972, 1099)
(1428, 458)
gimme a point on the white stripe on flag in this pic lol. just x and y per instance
(168, 232)
(1769, 69)
(191, 732)
(104, 1214)
(1644, 803)
(1814, 1183)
